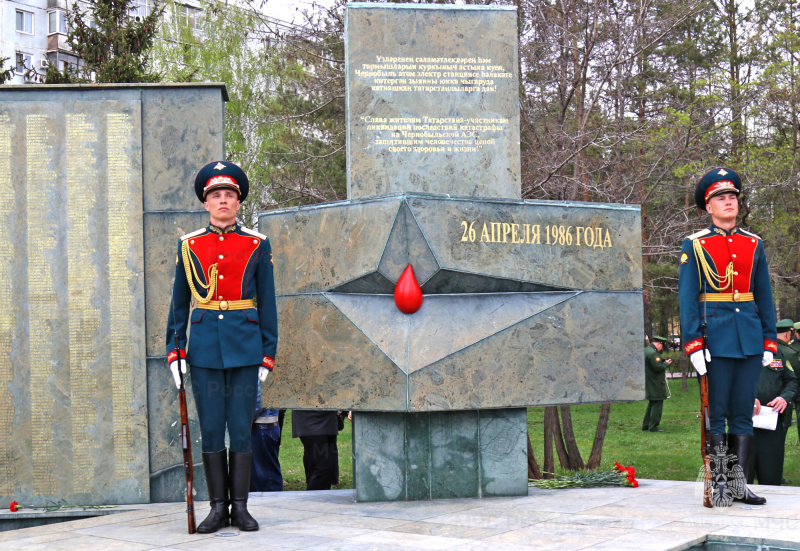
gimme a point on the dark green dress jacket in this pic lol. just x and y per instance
(778, 379)
(655, 381)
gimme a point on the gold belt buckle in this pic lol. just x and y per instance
(223, 305)
(736, 296)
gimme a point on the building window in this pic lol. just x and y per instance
(57, 22)
(139, 9)
(187, 16)
(24, 22)
(24, 63)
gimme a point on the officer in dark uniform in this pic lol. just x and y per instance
(655, 383)
(777, 386)
(724, 283)
(792, 352)
(220, 270)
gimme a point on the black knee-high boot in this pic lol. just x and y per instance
(740, 445)
(216, 467)
(241, 464)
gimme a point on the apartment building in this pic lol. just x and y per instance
(34, 32)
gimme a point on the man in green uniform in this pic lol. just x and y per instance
(795, 340)
(791, 348)
(655, 384)
(777, 386)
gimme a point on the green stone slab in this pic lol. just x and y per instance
(473, 127)
(416, 341)
(589, 245)
(379, 456)
(407, 245)
(418, 456)
(183, 130)
(334, 365)
(455, 454)
(560, 356)
(319, 248)
(504, 452)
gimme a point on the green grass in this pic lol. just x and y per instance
(670, 455)
(291, 457)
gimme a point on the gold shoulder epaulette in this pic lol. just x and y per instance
(749, 233)
(253, 233)
(701, 233)
(193, 234)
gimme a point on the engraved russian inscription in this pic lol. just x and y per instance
(84, 316)
(432, 74)
(433, 102)
(535, 234)
(119, 203)
(7, 474)
(42, 305)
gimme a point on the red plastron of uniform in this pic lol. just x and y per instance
(737, 248)
(232, 253)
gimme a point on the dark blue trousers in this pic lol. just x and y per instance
(732, 386)
(225, 397)
(266, 473)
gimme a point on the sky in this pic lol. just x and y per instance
(288, 10)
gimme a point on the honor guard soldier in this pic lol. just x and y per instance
(727, 314)
(777, 387)
(225, 271)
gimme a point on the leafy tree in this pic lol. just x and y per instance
(285, 118)
(111, 44)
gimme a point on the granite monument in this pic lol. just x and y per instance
(523, 302)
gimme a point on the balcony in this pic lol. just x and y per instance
(57, 42)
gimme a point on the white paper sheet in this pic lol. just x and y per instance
(767, 419)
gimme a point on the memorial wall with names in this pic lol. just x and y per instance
(93, 178)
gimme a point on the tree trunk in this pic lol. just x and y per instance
(599, 437)
(533, 466)
(575, 459)
(549, 463)
(551, 417)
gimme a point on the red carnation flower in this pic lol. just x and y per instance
(14, 506)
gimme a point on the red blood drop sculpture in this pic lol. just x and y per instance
(407, 292)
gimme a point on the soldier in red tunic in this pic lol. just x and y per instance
(724, 285)
(221, 269)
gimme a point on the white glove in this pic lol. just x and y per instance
(262, 374)
(767, 359)
(173, 366)
(698, 362)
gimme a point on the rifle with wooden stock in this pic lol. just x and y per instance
(186, 441)
(705, 433)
